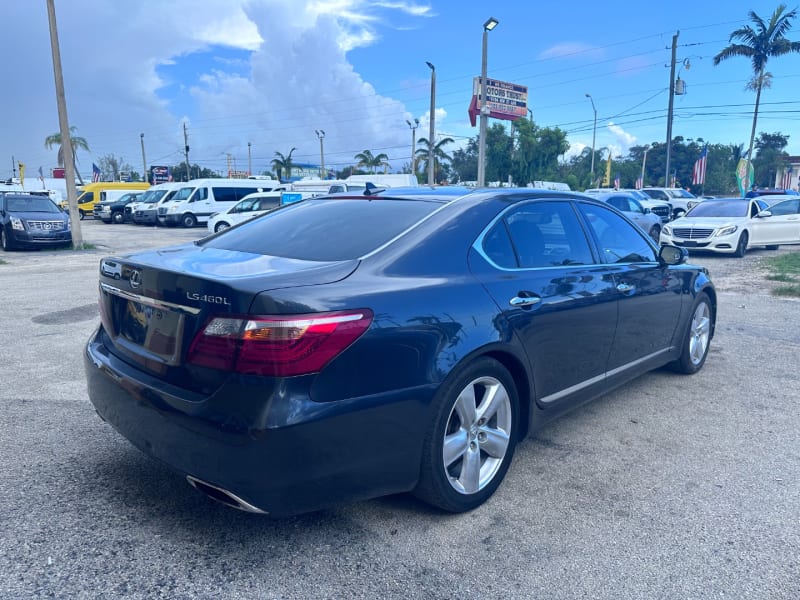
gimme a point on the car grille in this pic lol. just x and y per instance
(690, 233)
(47, 225)
(661, 211)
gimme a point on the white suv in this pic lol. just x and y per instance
(679, 198)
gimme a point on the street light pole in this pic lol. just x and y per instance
(144, 161)
(490, 24)
(644, 162)
(594, 134)
(321, 135)
(413, 145)
(432, 133)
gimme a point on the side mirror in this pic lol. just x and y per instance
(672, 255)
(764, 213)
(646, 210)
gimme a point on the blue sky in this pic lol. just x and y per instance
(271, 72)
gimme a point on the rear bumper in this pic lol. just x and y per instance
(269, 444)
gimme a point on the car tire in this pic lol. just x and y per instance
(466, 454)
(741, 245)
(773, 247)
(4, 241)
(697, 340)
(188, 220)
(82, 214)
(117, 217)
(655, 233)
(220, 226)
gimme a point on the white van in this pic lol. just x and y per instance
(198, 199)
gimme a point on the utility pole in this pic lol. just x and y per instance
(413, 145)
(13, 166)
(671, 103)
(249, 160)
(144, 160)
(63, 124)
(432, 135)
(186, 152)
(321, 135)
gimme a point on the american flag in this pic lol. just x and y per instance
(95, 173)
(699, 171)
(616, 182)
(786, 182)
(639, 183)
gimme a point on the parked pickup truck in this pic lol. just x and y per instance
(113, 211)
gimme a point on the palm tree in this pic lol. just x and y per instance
(439, 155)
(369, 161)
(75, 141)
(759, 42)
(283, 164)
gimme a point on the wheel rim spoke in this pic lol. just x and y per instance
(455, 446)
(470, 470)
(495, 442)
(465, 406)
(495, 397)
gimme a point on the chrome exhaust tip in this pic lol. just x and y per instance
(223, 496)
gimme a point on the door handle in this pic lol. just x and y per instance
(625, 288)
(524, 301)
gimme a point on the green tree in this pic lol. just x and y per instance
(441, 159)
(283, 164)
(178, 172)
(464, 162)
(111, 167)
(76, 142)
(369, 161)
(759, 42)
(770, 157)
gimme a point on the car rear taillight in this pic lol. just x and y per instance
(277, 346)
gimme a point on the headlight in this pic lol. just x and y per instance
(667, 230)
(726, 231)
(16, 223)
(172, 209)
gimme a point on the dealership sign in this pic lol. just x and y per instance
(159, 175)
(504, 100)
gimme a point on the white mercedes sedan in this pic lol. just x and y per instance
(733, 225)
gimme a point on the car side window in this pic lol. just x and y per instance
(619, 241)
(787, 207)
(538, 234)
(620, 203)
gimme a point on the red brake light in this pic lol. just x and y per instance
(277, 346)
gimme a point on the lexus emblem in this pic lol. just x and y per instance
(135, 278)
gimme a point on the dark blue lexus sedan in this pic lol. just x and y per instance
(348, 347)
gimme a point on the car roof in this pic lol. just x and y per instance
(448, 193)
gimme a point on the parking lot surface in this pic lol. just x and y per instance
(671, 487)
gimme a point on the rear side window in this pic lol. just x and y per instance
(232, 194)
(619, 241)
(538, 234)
(325, 230)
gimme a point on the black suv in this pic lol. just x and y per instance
(32, 221)
(113, 211)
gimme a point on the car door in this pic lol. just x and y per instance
(782, 226)
(650, 294)
(558, 299)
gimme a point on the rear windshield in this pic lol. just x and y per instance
(325, 230)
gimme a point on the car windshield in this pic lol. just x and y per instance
(720, 208)
(324, 230)
(151, 196)
(32, 204)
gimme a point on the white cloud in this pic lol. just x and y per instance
(625, 140)
(570, 49)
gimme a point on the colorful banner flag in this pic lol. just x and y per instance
(786, 182)
(95, 173)
(21, 167)
(699, 171)
(607, 177)
(744, 179)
